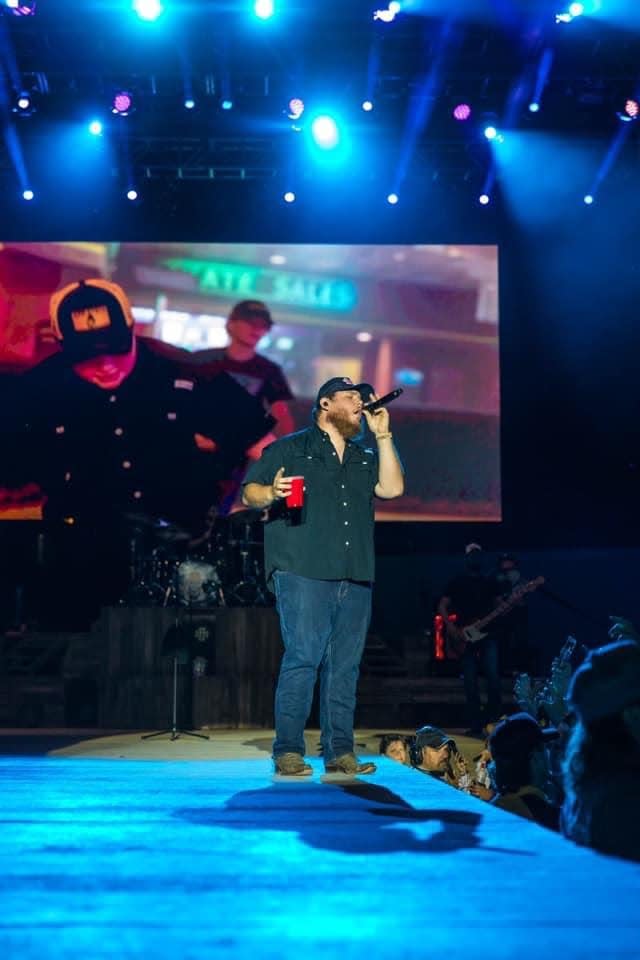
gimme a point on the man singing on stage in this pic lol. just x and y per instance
(319, 484)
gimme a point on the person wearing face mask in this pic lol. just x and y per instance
(512, 628)
(467, 598)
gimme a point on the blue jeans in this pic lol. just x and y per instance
(324, 625)
(488, 655)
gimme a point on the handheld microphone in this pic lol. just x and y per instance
(383, 401)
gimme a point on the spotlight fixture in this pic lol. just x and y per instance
(148, 9)
(588, 199)
(189, 103)
(484, 199)
(227, 104)
(28, 194)
(264, 9)
(534, 107)
(462, 111)
(23, 104)
(295, 108)
(392, 198)
(491, 132)
(367, 106)
(122, 104)
(325, 132)
(573, 11)
(630, 112)
(388, 15)
(95, 128)
(132, 194)
(21, 8)
(289, 197)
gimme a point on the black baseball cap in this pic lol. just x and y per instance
(336, 384)
(251, 309)
(519, 734)
(432, 737)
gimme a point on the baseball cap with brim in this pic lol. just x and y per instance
(519, 734)
(432, 737)
(336, 384)
(250, 310)
(607, 682)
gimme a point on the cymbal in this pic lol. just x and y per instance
(140, 520)
(159, 527)
(165, 530)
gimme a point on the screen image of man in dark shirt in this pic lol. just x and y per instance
(260, 377)
(319, 561)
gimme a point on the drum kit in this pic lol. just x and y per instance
(221, 568)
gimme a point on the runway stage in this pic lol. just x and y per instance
(186, 857)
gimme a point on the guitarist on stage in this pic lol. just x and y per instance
(468, 597)
(513, 627)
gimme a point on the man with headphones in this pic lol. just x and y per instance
(319, 559)
(107, 427)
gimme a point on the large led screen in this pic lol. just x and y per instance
(420, 317)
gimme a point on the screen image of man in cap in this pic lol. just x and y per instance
(263, 379)
(319, 560)
(107, 427)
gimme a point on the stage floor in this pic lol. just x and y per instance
(143, 856)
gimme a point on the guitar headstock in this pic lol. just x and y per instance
(528, 587)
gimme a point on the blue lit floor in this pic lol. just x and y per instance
(207, 858)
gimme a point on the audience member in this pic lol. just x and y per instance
(519, 769)
(397, 747)
(435, 753)
(602, 761)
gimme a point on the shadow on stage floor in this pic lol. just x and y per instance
(208, 857)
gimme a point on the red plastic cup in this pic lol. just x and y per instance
(296, 497)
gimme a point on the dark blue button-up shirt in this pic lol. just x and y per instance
(331, 537)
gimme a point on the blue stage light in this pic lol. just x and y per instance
(95, 128)
(393, 199)
(189, 103)
(227, 104)
(534, 107)
(325, 132)
(490, 132)
(576, 9)
(148, 9)
(484, 199)
(367, 106)
(132, 194)
(588, 199)
(264, 9)
(28, 194)
(289, 197)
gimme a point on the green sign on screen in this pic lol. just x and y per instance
(275, 286)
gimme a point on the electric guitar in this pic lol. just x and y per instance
(458, 637)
